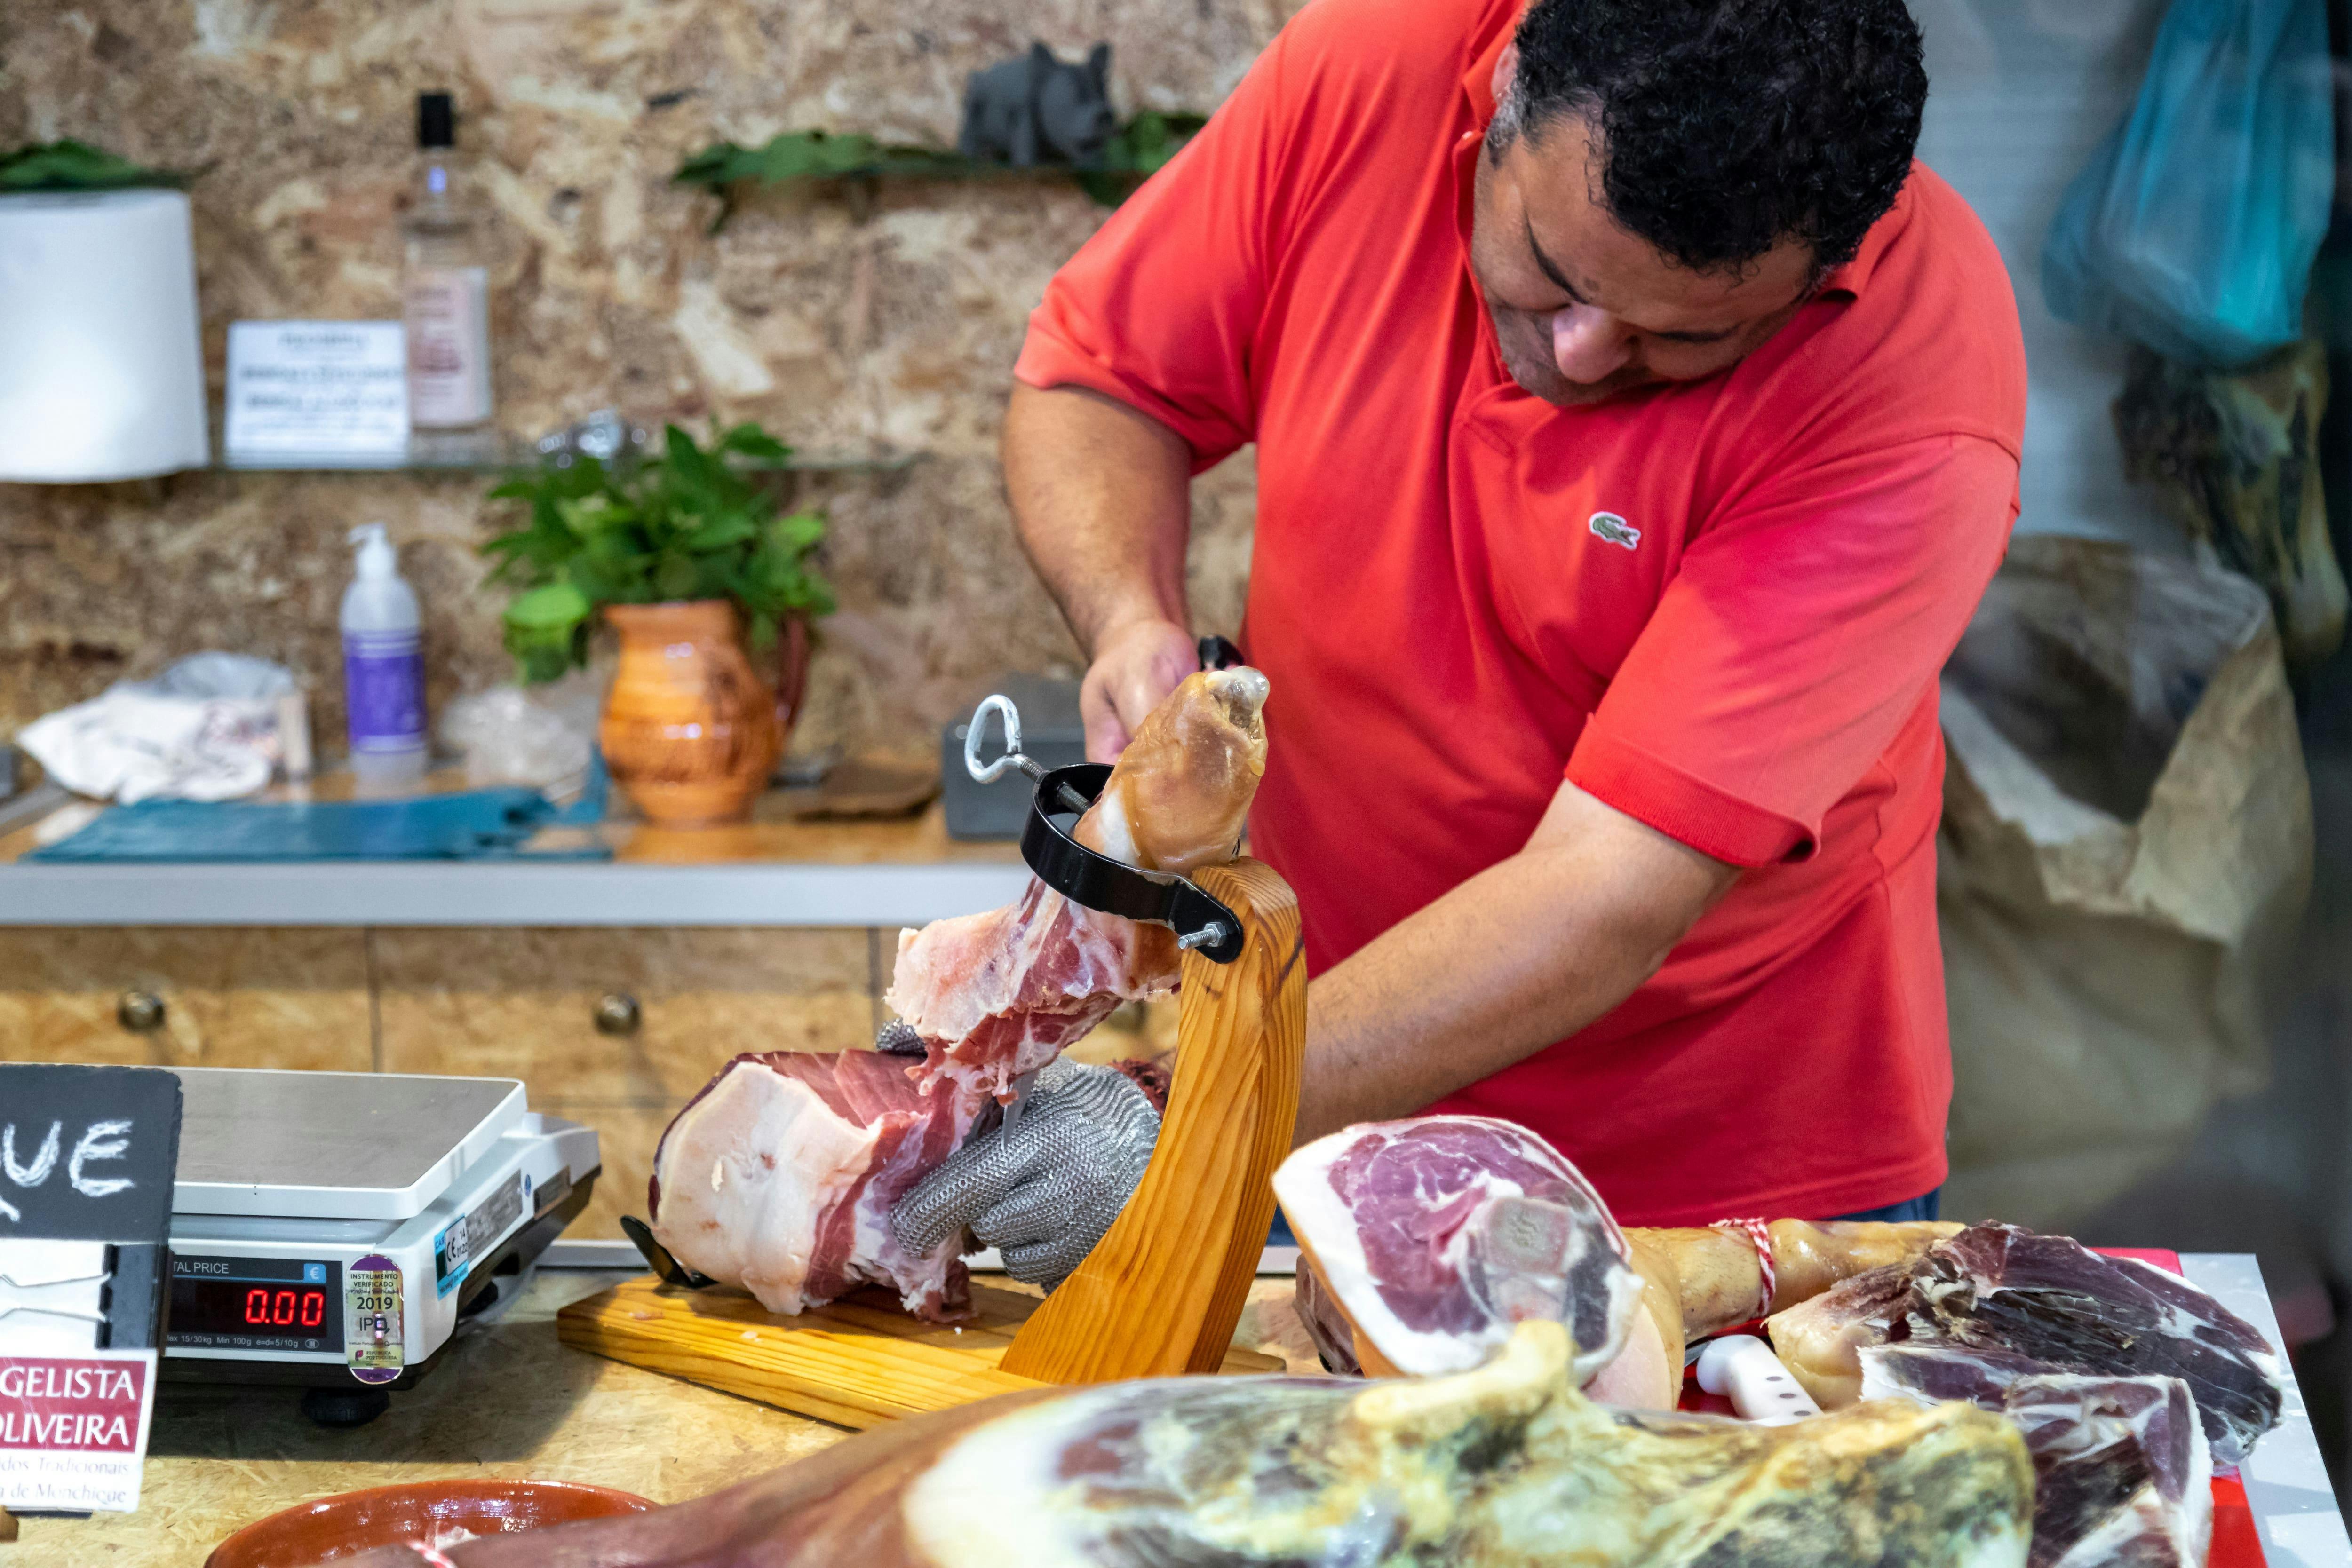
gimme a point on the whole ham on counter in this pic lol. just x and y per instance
(1433, 1236)
(1505, 1465)
(780, 1173)
(1425, 1240)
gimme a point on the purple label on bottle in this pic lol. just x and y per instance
(383, 676)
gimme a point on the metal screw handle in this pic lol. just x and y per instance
(617, 1013)
(140, 1012)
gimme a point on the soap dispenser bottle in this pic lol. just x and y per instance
(383, 670)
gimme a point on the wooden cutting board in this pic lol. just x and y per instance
(858, 1363)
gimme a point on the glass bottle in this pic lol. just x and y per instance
(445, 285)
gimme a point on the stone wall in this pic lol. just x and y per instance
(839, 328)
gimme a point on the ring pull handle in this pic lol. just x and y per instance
(1065, 798)
(991, 772)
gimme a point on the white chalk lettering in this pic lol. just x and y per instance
(104, 1141)
(43, 1163)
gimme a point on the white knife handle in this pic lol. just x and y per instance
(1743, 1368)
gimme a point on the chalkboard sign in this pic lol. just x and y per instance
(87, 1155)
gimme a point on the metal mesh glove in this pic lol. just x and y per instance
(1044, 1192)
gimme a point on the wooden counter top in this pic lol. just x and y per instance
(509, 1403)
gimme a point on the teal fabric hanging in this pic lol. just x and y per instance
(2194, 228)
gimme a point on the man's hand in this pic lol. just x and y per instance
(1134, 668)
(1044, 1192)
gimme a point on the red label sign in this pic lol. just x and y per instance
(71, 1404)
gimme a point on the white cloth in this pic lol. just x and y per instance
(205, 729)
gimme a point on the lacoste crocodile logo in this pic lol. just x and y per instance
(1615, 529)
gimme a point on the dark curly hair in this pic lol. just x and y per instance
(1725, 126)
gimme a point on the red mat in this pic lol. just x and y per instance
(2236, 1542)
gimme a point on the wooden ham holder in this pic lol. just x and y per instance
(1159, 1296)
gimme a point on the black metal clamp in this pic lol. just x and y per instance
(1201, 922)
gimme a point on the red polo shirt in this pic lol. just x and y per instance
(1719, 606)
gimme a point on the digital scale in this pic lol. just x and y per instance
(333, 1230)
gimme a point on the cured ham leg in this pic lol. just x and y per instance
(1427, 1238)
(1504, 1467)
(1433, 1236)
(780, 1177)
(999, 994)
(1715, 1277)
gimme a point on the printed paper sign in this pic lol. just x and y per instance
(87, 1156)
(319, 389)
(73, 1429)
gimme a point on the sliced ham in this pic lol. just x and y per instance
(2122, 1471)
(997, 995)
(780, 1177)
(2002, 1293)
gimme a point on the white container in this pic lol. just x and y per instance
(102, 363)
(383, 670)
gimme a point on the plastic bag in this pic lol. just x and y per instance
(2193, 227)
(509, 735)
(2125, 851)
(204, 729)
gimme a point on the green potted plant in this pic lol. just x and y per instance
(687, 557)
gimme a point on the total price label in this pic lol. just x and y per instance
(375, 1303)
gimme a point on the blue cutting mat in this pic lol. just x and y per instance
(472, 824)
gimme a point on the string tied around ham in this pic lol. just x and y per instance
(1759, 1233)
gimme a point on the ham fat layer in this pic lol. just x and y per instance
(780, 1175)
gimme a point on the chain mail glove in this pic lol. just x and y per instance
(1045, 1192)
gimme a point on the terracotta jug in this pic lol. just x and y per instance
(689, 731)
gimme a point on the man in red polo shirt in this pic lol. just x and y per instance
(1637, 428)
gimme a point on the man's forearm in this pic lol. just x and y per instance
(1101, 496)
(1525, 953)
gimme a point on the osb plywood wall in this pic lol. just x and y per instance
(840, 330)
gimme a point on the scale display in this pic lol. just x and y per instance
(256, 1303)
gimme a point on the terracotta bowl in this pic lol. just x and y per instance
(357, 1522)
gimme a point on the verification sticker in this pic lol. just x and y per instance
(373, 1310)
(466, 1237)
